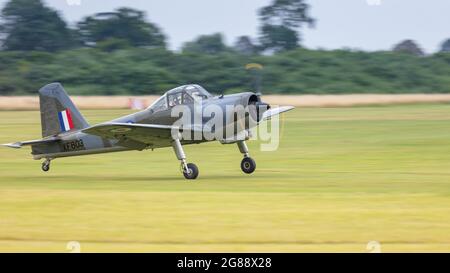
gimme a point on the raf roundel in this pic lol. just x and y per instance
(120, 130)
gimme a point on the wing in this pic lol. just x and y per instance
(140, 136)
(134, 136)
(276, 111)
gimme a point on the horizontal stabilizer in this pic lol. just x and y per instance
(16, 145)
(20, 144)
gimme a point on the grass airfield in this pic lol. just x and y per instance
(341, 177)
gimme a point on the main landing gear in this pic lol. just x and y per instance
(46, 165)
(189, 170)
(248, 165)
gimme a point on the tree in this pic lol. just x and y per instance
(112, 44)
(124, 24)
(278, 38)
(30, 25)
(409, 47)
(209, 44)
(280, 23)
(445, 46)
(244, 45)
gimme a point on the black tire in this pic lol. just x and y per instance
(45, 167)
(248, 165)
(193, 171)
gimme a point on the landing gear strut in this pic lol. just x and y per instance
(248, 165)
(190, 170)
(46, 165)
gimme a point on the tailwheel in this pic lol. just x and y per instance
(190, 171)
(46, 165)
(248, 165)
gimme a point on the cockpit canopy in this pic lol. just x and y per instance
(185, 94)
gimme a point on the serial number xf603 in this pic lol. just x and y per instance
(75, 145)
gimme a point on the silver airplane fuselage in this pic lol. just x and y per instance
(66, 133)
(77, 143)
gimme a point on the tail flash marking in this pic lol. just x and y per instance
(65, 120)
(69, 118)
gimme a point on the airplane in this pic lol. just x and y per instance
(66, 133)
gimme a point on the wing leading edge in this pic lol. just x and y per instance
(276, 111)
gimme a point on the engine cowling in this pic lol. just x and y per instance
(257, 107)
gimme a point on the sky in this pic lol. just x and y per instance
(357, 24)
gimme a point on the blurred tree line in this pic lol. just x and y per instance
(121, 52)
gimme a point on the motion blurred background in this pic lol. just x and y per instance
(145, 47)
(348, 179)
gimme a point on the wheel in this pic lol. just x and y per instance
(192, 172)
(248, 165)
(45, 166)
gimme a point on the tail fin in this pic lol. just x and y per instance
(58, 113)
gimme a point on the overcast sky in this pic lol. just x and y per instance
(360, 24)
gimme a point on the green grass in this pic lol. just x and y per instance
(341, 177)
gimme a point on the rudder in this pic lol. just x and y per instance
(58, 113)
